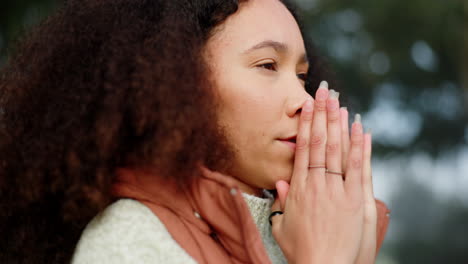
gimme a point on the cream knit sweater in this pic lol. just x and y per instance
(128, 232)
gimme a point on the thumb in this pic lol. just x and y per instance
(282, 188)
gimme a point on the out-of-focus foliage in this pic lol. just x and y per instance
(404, 65)
(408, 56)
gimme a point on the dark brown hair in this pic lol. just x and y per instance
(99, 85)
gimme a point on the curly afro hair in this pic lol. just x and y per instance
(103, 84)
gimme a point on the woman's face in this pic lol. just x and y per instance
(258, 60)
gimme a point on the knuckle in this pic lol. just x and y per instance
(317, 140)
(306, 116)
(357, 141)
(333, 117)
(353, 205)
(356, 163)
(333, 148)
(320, 106)
(302, 142)
(357, 201)
(352, 201)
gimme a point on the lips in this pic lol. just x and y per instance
(291, 139)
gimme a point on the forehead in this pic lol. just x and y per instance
(259, 20)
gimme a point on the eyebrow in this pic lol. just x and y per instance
(278, 47)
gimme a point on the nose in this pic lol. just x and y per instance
(295, 102)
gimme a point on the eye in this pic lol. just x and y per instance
(271, 66)
(302, 76)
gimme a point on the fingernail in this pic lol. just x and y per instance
(344, 108)
(357, 119)
(323, 85)
(334, 94)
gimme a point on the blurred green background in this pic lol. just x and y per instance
(404, 66)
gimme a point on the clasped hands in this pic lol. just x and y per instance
(329, 212)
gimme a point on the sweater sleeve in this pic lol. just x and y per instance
(128, 232)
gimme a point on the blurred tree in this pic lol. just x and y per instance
(430, 230)
(404, 64)
(464, 58)
(410, 49)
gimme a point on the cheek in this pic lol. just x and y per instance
(245, 108)
(245, 132)
(250, 112)
(257, 160)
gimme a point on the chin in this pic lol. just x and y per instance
(282, 175)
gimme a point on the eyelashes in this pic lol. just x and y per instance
(269, 66)
(302, 76)
(272, 66)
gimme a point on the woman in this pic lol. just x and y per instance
(171, 118)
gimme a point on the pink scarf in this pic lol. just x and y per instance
(210, 220)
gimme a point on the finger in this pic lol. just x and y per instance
(370, 211)
(333, 145)
(276, 206)
(367, 170)
(318, 136)
(354, 167)
(282, 189)
(344, 117)
(369, 236)
(275, 221)
(301, 158)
